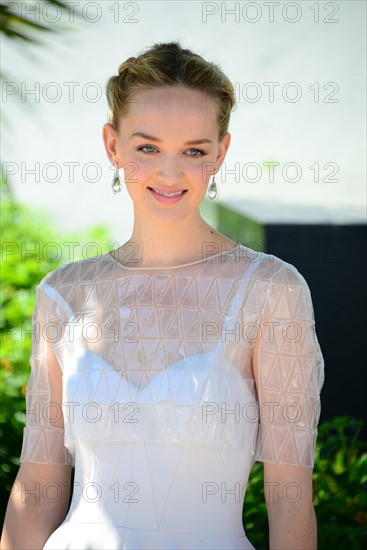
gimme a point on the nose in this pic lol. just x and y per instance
(170, 170)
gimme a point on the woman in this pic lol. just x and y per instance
(176, 360)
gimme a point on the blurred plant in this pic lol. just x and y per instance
(21, 20)
(254, 516)
(24, 235)
(340, 483)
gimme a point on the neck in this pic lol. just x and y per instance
(180, 242)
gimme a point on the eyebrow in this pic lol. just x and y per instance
(151, 138)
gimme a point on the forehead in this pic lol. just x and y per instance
(176, 107)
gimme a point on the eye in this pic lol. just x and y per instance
(197, 151)
(146, 147)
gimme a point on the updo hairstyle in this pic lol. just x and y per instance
(168, 64)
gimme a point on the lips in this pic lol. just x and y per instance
(167, 199)
(170, 192)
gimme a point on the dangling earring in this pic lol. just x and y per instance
(212, 189)
(116, 182)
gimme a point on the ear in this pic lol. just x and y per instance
(223, 147)
(109, 135)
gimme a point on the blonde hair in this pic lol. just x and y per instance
(168, 64)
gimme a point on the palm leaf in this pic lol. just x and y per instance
(15, 24)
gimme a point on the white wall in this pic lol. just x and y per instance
(303, 132)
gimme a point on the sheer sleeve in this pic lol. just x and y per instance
(290, 372)
(43, 435)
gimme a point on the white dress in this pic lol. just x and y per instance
(143, 378)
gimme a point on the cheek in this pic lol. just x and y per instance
(136, 170)
(141, 173)
(143, 166)
(200, 173)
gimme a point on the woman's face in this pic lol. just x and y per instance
(167, 142)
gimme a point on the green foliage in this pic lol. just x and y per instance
(28, 23)
(27, 255)
(255, 519)
(339, 481)
(16, 25)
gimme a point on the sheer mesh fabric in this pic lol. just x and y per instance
(290, 371)
(43, 435)
(209, 321)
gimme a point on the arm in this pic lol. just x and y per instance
(37, 506)
(288, 496)
(288, 369)
(40, 496)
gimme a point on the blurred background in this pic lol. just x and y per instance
(293, 185)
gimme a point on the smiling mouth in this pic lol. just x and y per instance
(166, 194)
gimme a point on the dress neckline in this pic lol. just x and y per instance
(158, 268)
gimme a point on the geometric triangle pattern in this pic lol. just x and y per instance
(288, 369)
(171, 381)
